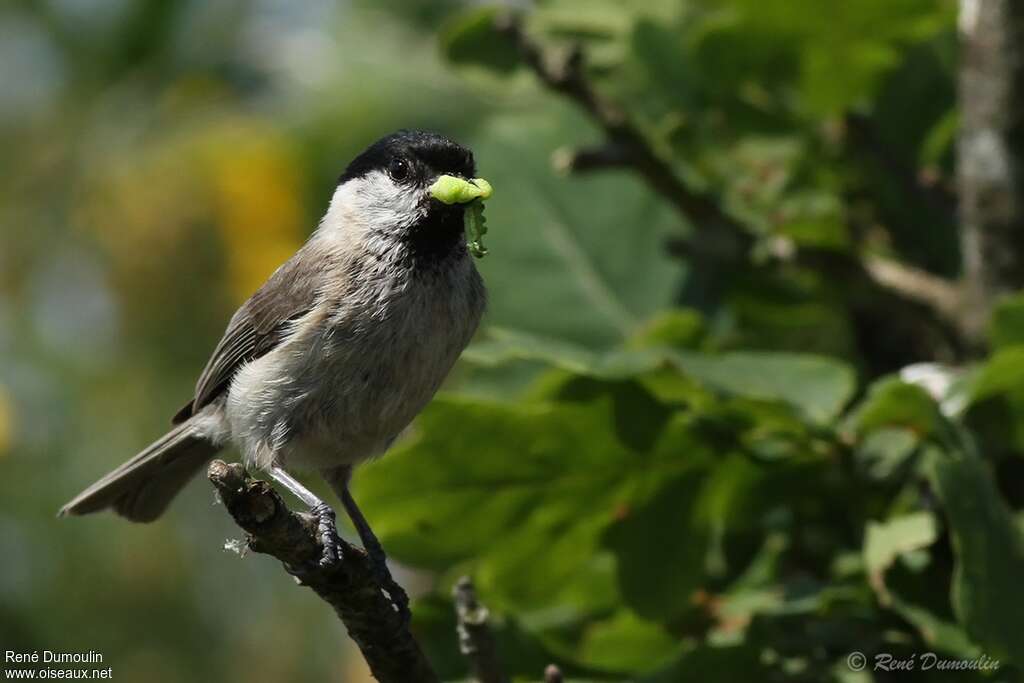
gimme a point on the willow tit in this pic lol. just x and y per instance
(337, 352)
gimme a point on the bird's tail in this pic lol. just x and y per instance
(142, 488)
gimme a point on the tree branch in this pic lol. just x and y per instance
(567, 76)
(568, 160)
(476, 641)
(942, 296)
(351, 588)
(626, 146)
(990, 170)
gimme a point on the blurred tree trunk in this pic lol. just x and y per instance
(990, 167)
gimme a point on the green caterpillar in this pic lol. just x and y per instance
(451, 190)
(476, 228)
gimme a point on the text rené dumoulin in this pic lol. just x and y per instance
(51, 657)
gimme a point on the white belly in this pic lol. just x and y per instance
(353, 375)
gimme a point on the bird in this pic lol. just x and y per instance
(329, 361)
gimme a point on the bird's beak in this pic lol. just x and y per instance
(448, 189)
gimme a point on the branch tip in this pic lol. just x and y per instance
(552, 674)
(476, 641)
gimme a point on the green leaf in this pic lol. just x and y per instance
(471, 39)
(893, 403)
(787, 310)
(544, 478)
(628, 645)
(638, 416)
(861, 40)
(680, 328)
(1003, 373)
(938, 633)
(995, 401)
(661, 550)
(989, 549)
(667, 539)
(819, 387)
(758, 591)
(728, 494)
(571, 268)
(1007, 325)
(599, 21)
(940, 139)
(948, 385)
(480, 467)
(882, 453)
(503, 346)
(739, 663)
(885, 541)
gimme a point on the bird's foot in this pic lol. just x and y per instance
(327, 534)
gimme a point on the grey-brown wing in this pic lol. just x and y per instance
(260, 325)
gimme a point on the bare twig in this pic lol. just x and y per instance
(568, 160)
(944, 297)
(476, 641)
(370, 615)
(552, 674)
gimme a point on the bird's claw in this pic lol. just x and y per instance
(327, 534)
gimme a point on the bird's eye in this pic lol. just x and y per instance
(398, 169)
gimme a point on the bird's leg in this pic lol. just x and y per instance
(375, 552)
(369, 540)
(326, 528)
(339, 478)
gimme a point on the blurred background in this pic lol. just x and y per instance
(691, 442)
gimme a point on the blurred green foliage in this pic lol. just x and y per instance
(658, 467)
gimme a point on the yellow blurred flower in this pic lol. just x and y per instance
(255, 183)
(234, 172)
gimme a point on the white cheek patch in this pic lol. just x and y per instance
(374, 203)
